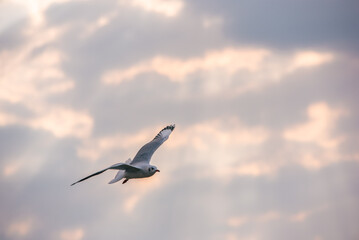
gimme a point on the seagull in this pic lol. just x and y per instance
(140, 166)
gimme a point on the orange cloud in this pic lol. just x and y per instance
(259, 66)
(167, 8)
(255, 169)
(72, 234)
(208, 135)
(28, 79)
(227, 60)
(36, 9)
(318, 128)
(309, 59)
(11, 169)
(318, 131)
(60, 121)
(20, 228)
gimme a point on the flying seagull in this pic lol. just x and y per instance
(140, 166)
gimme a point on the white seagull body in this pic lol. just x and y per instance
(140, 166)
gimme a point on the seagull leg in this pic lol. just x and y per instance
(125, 181)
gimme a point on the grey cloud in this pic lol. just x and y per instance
(288, 24)
(131, 36)
(12, 37)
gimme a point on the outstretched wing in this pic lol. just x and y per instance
(118, 166)
(146, 152)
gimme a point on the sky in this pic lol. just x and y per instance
(264, 95)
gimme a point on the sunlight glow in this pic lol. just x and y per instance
(227, 60)
(11, 169)
(257, 67)
(20, 228)
(37, 8)
(72, 234)
(168, 8)
(322, 119)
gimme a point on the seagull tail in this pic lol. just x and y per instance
(120, 174)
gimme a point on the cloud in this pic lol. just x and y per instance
(130, 203)
(305, 59)
(36, 9)
(167, 8)
(236, 222)
(60, 121)
(72, 234)
(252, 68)
(228, 60)
(255, 169)
(287, 25)
(143, 188)
(30, 75)
(95, 148)
(317, 138)
(201, 137)
(272, 215)
(299, 217)
(20, 228)
(27, 77)
(63, 122)
(237, 166)
(304, 215)
(11, 169)
(7, 119)
(318, 128)
(212, 22)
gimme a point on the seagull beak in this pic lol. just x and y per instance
(157, 170)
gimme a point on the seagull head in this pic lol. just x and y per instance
(152, 169)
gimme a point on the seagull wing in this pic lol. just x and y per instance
(146, 152)
(117, 166)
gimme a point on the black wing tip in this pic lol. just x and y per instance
(75, 183)
(172, 126)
